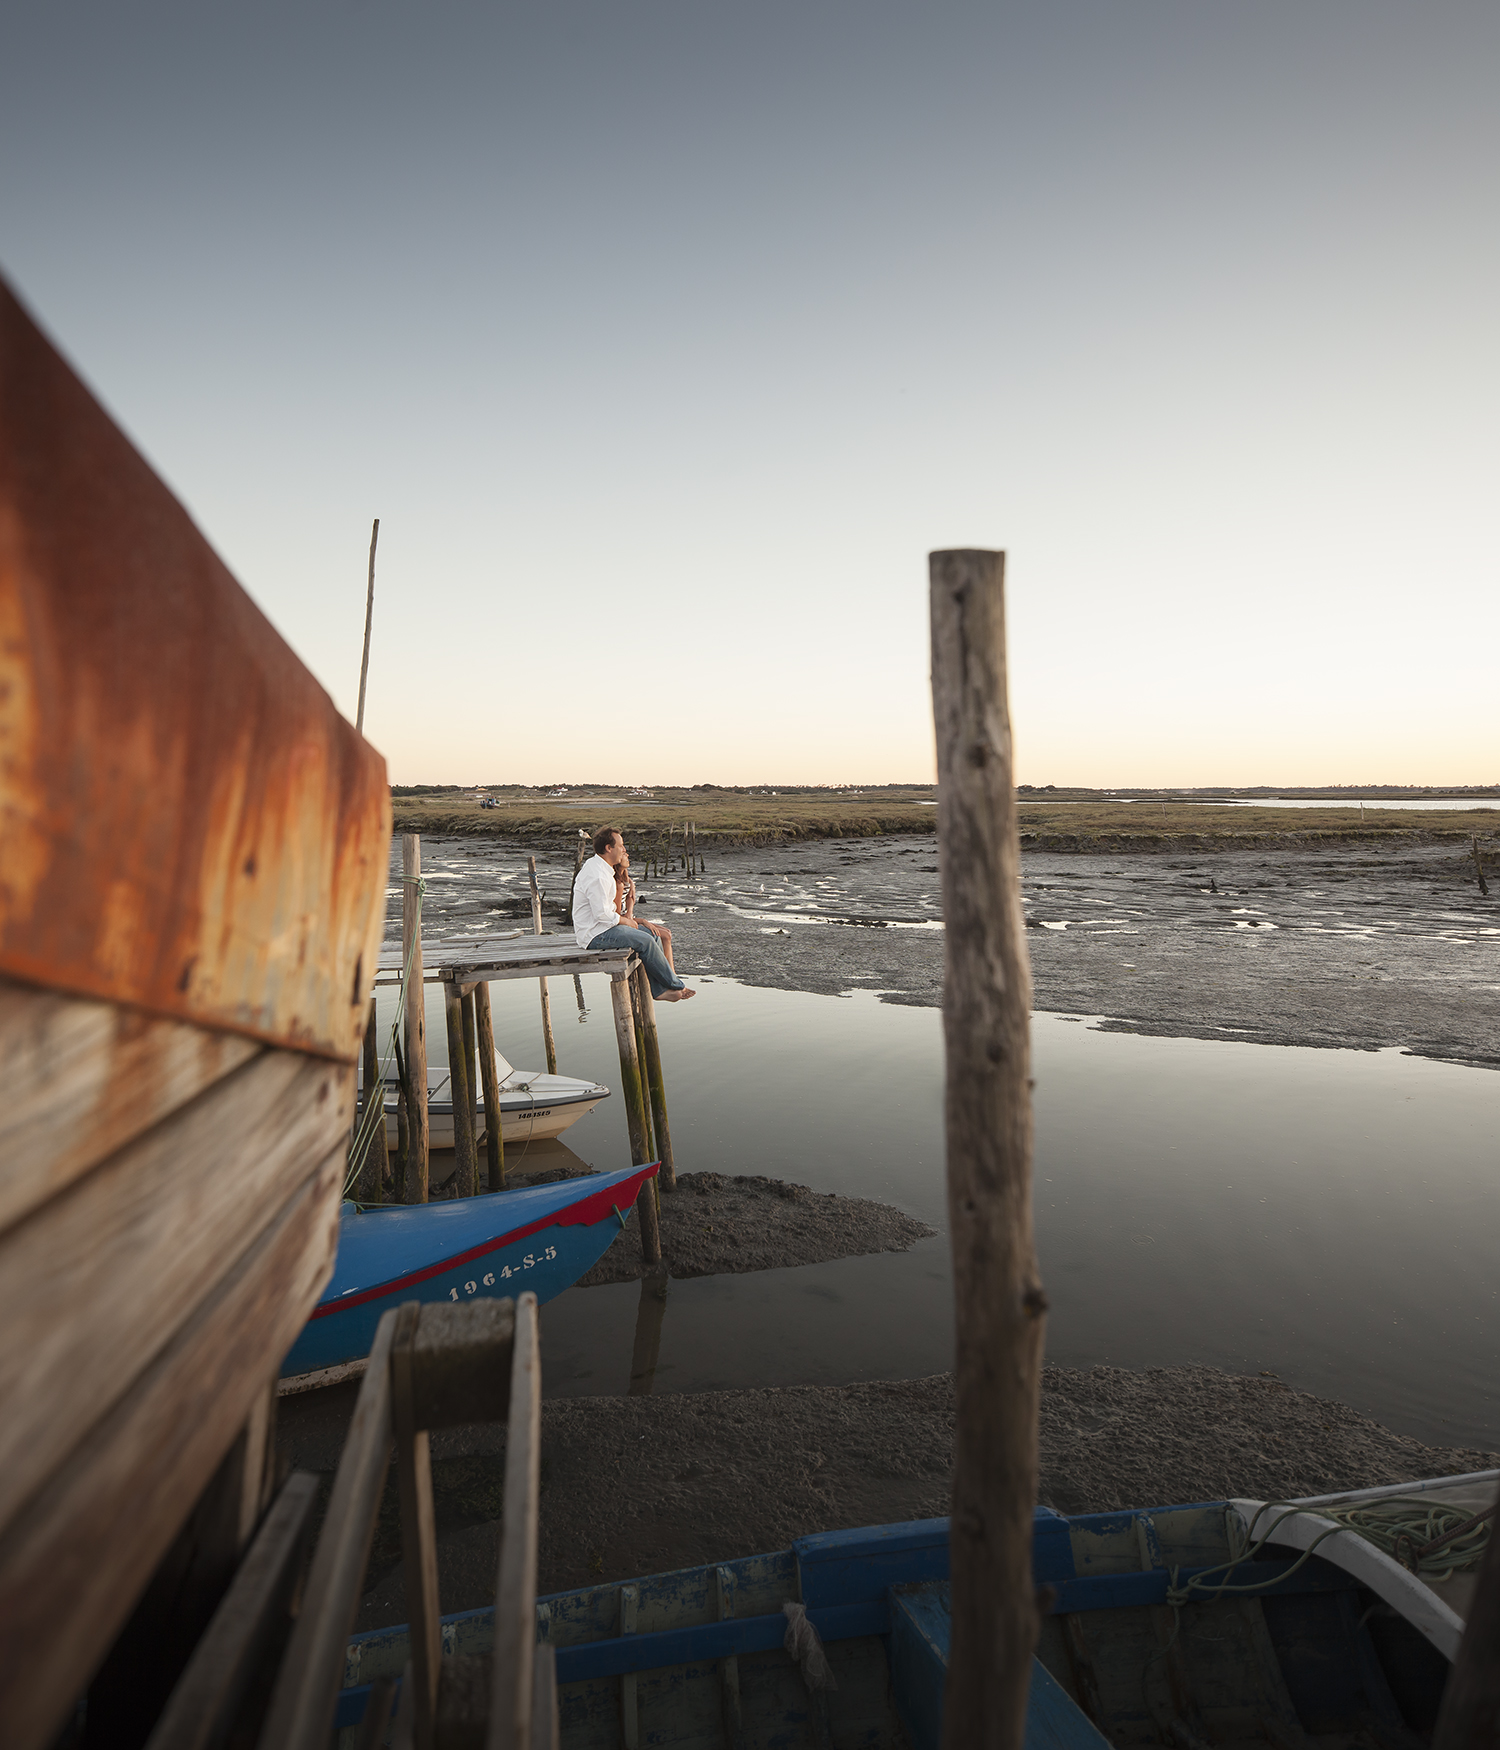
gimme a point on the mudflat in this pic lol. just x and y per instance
(638, 1485)
(1356, 945)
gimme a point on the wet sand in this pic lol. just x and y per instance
(1349, 946)
(639, 1485)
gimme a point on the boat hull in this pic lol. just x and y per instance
(532, 1123)
(539, 1240)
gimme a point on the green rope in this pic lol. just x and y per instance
(374, 1112)
(1431, 1539)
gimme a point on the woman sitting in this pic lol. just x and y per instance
(625, 905)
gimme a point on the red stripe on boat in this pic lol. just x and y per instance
(585, 1213)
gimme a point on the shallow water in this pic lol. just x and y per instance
(1330, 1216)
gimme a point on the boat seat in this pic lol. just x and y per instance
(921, 1634)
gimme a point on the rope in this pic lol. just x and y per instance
(1429, 1538)
(374, 1112)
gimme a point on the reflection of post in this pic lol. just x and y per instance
(649, 1317)
(416, 1020)
(998, 1299)
(466, 1163)
(536, 925)
(656, 1085)
(489, 1080)
(635, 1112)
(583, 1013)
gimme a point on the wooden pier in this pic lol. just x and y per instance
(466, 968)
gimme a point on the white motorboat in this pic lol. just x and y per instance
(533, 1105)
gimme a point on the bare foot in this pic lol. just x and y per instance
(676, 996)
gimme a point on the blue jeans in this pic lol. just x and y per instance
(660, 976)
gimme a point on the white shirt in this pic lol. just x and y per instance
(594, 901)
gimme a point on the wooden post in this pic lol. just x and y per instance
(1469, 1718)
(1479, 868)
(655, 1083)
(418, 1531)
(416, 1021)
(494, 1136)
(466, 1170)
(635, 1111)
(471, 1057)
(536, 925)
(364, 661)
(999, 1303)
(637, 979)
(370, 1186)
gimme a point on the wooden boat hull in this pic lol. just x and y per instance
(698, 1657)
(541, 1239)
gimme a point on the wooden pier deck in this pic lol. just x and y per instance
(467, 961)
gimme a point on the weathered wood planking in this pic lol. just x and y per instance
(72, 1562)
(190, 828)
(83, 1078)
(491, 959)
(149, 1232)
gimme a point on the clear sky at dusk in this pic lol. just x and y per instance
(667, 339)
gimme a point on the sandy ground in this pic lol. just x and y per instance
(639, 1485)
(718, 1225)
(1345, 946)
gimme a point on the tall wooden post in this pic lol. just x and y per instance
(416, 1021)
(635, 1111)
(536, 925)
(466, 1169)
(637, 985)
(999, 1303)
(494, 1136)
(370, 1186)
(1469, 1718)
(656, 1085)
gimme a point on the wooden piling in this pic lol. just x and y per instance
(635, 1112)
(637, 985)
(466, 1170)
(536, 924)
(489, 1080)
(364, 661)
(999, 1302)
(415, 1190)
(1479, 868)
(370, 1185)
(656, 1084)
(471, 1056)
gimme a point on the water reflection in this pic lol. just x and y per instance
(1328, 1215)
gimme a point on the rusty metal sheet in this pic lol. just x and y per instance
(187, 825)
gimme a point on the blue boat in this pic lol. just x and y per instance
(541, 1238)
(1174, 1627)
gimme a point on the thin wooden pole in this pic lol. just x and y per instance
(489, 1080)
(364, 661)
(536, 924)
(418, 1530)
(1479, 868)
(471, 1055)
(512, 1694)
(656, 1084)
(637, 985)
(998, 1299)
(635, 1112)
(416, 1021)
(371, 1184)
(466, 1167)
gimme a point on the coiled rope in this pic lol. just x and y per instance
(1430, 1539)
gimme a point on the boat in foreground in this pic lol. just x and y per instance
(540, 1238)
(1181, 1626)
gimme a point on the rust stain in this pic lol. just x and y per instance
(189, 826)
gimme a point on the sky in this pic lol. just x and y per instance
(666, 340)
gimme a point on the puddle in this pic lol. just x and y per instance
(1327, 1215)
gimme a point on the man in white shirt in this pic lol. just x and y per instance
(597, 922)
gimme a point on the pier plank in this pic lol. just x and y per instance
(74, 1561)
(96, 1282)
(84, 1078)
